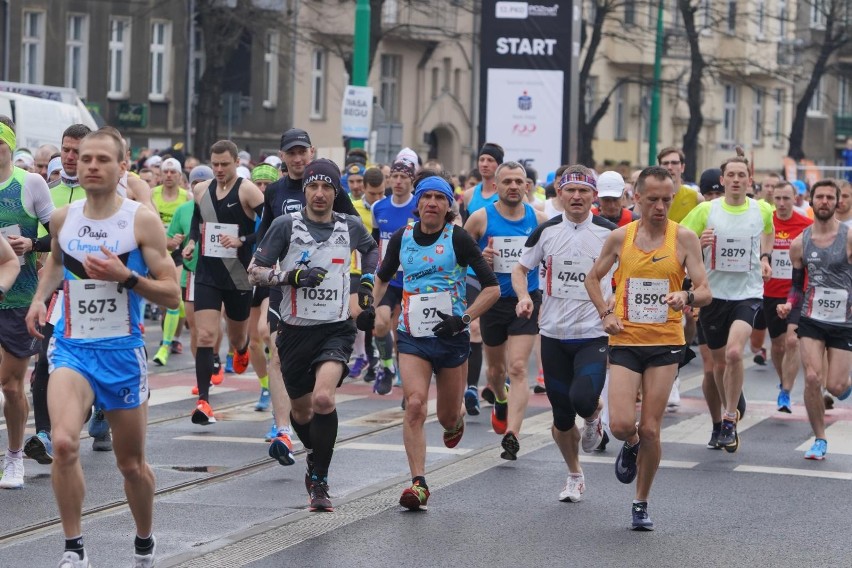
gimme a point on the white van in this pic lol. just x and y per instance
(41, 121)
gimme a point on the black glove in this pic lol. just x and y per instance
(365, 294)
(450, 326)
(366, 319)
(306, 277)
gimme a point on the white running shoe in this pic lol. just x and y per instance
(146, 561)
(71, 560)
(13, 473)
(674, 396)
(592, 435)
(575, 486)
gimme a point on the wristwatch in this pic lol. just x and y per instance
(131, 281)
(690, 297)
(466, 319)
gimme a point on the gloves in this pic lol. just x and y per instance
(306, 277)
(366, 319)
(365, 294)
(450, 326)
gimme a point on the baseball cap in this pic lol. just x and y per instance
(200, 173)
(170, 164)
(322, 169)
(273, 161)
(244, 158)
(709, 182)
(243, 172)
(408, 155)
(153, 162)
(295, 137)
(610, 184)
(54, 166)
(801, 187)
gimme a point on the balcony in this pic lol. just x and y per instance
(421, 20)
(842, 126)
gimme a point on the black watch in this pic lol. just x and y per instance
(768, 256)
(466, 319)
(131, 281)
(690, 297)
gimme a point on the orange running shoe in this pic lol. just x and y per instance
(454, 436)
(281, 449)
(499, 425)
(203, 414)
(218, 376)
(414, 498)
(241, 361)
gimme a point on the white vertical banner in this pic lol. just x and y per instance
(357, 112)
(524, 115)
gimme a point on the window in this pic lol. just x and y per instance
(757, 116)
(270, 71)
(729, 120)
(644, 112)
(390, 12)
(435, 73)
(589, 96)
(782, 19)
(76, 54)
(630, 12)
(119, 58)
(620, 114)
(32, 50)
(706, 12)
(457, 83)
(779, 116)
(448, 68)
(318, 84)
(819, 11)
(161, 46)
(389, 92)
(844, 96)
(818, 98)
(732, 17)
(677, 15)
(198, 56)
(760, 16)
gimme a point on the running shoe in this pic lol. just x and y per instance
(320, 500)
(499, 417)
(145, 560)
(162, 356)
(241, 361)
(98, 425)
(625, 463)
(784, 404)
(741, 406)
(384, 384)
(263, 402)
(510, 446)
(414, 498)
(218, 375)
(674, 396)
(281, 449)
(372, 372)
(574, 488)
(539, 387)
(713, 444)
(728, 437)
(72, 560)
(203, 414)
(487, 394)
(272, 433)
(471, 401)
(177, 347)
(818, 450)
(845, 394)
(309, 472)
(592, 435)
(229, 363)
(760, 357)
(102, 443)
(641, 520)
(604, 441)
(13, 473)
(358, 367)
(454, 436)
(40, 448)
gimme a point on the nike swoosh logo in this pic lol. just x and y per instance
(231, 204)
(676, 351)
(655, 259)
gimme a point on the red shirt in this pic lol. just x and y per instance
(785, 232)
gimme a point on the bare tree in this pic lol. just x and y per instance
(694, 89)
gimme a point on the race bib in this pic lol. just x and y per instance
(325, 302)
(829, 305)
(383, 248)
(566, 277)
(190, 286)
(782, 266)
(421, 312)
(95, 309)
(732, 254)
(507, 252)
(54, 308)
(646, 300)
(12, 231)
(211, 237)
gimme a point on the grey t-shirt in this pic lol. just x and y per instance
(276, 241)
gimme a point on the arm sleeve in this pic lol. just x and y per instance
(37, 201)
(342, 204)
(275, 243)
(390, 262)
(363, 242)
(468, 254)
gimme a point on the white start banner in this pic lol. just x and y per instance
(356, 119)
(524, 115)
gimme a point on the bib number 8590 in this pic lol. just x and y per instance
(648, 299)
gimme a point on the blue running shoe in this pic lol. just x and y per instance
(358, 367)
(818, 450)
(263, 402)
(229, 363)
(40, 448)
(641, 520)
(384, 383)
(845, 394)
(625, 463)
(784, 404)
(471, 401)
(98, 426)
(272, 433)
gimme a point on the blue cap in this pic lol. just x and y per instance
(801, 187)
(433, 183)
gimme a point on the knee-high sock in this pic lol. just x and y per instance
(39, 388)
(474, 364)
(170, 324)
(358, 347)
(385, 345)
(203, 371)
(323, 436)
(303, 431)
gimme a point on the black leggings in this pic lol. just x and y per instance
(574, 375)
(39, 386)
